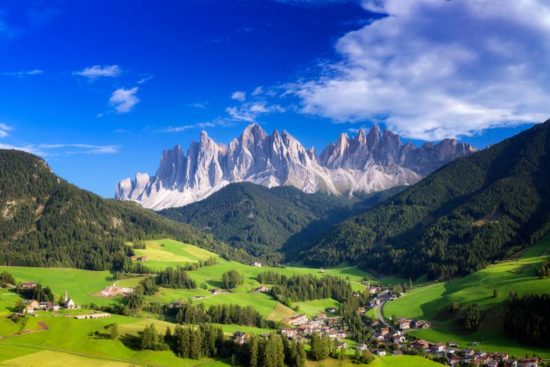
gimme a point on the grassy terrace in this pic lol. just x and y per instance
(517, 275)
(70, 342)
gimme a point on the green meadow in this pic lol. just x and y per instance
(166, 252)
(82, 285)
(69, 342)
(516, 275)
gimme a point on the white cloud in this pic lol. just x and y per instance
(257, 91)
(218, 122)
(4, 130)
(145, 79)
(432, 69)
(199, 105)
(250, 111)
(63, 149)
(239, 96)
(98, 71)
(21, 74)
(80, 148)
(123, 100)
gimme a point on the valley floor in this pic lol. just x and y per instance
(429, 302)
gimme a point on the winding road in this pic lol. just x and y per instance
(381, 317)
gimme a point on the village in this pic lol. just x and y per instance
(388, 339)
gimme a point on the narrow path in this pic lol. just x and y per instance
(381, 317)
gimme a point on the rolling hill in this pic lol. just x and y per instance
(459, 219)
(45, 221)
(489, 289)
(267, 222)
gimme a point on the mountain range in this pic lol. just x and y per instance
(368, 162)
(469, 213)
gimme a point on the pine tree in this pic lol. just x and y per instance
(254, 352)
(114, 331)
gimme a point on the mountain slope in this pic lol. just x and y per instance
(265, 221)
(470, 212)
(45, 221)
(366, 163)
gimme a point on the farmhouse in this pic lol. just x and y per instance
(262, 289)
(240, 337)
(297, 320)
(216, 291)
(289, 333)
(28, 285)
(404, 324)
(257, 264)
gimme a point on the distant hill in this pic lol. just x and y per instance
(269, 222)
(45, 221)
(471, 212)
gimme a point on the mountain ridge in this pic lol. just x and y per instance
(472, 211)
(271, 222)
(366, 163)
(46, 221)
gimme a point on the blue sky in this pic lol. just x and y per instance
(100, 88)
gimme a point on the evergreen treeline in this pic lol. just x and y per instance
(208, 341)
(268, 222)
(528, 319)
(188, 313)
(46, 221)
(38, 293)
(175, 278)
(6, 279)
(471, 212)
(273, 351)
(231, 279)
(543, 271)
(305, 287)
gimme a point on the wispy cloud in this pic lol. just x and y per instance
(63, 149)
(80, 148)
(4, 130)
(250, 111)
(124, 100)
(21, 74)
(219, 122)
(199, 105)
(239, 96)
(98, 71)
(145, 79)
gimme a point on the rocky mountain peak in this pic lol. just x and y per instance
(368, 162)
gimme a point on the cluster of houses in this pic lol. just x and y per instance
(31, 306)
(303, 326)
(405, 324)
(457, 357)
(139, 258)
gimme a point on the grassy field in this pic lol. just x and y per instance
(312, 308)
(508, 276)
(166, 252)
(70, 342)
(386, 361)
(82, 285)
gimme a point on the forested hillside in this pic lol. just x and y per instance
(267, 222)
(45, 221)
(467, 214)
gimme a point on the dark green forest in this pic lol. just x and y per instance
(271, 222)
(469, 213)
(45, 221)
